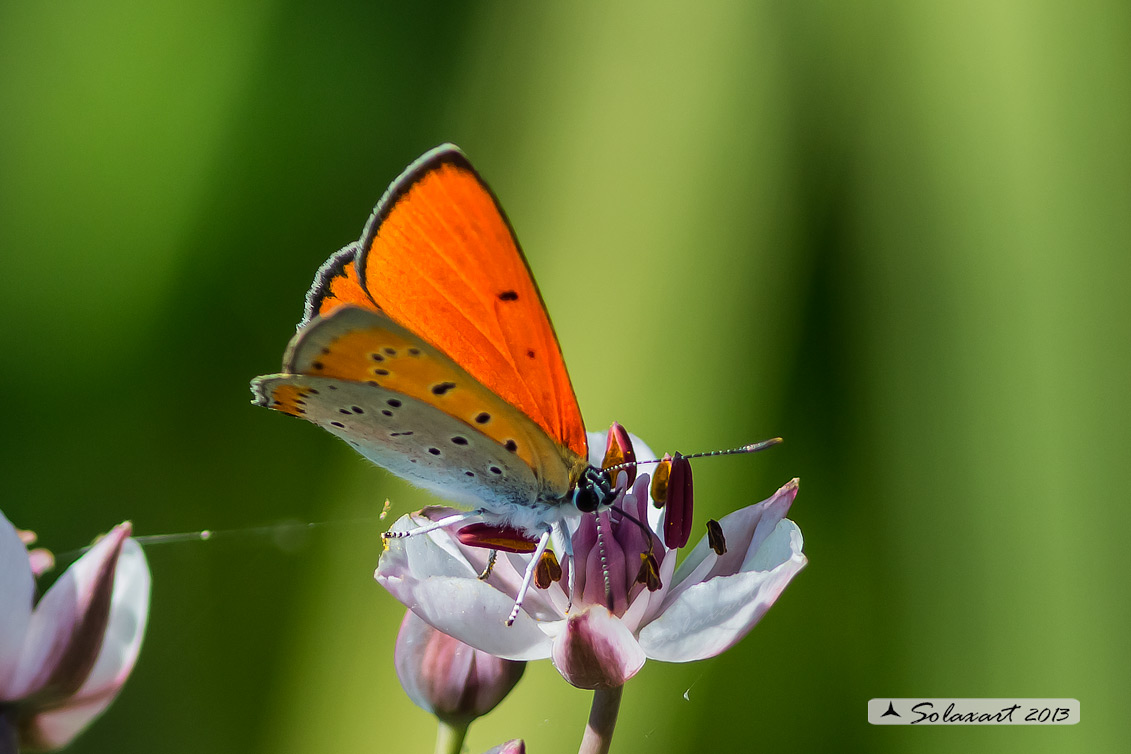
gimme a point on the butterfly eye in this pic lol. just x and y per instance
(584, 499)
(594, 491)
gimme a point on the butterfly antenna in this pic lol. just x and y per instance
(753, 447)
(604, 565)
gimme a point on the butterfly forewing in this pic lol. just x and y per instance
(439, 257)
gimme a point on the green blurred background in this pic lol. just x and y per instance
(894, 233)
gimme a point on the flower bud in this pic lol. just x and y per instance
(447, 677)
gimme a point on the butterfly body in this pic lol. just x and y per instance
(426, 347)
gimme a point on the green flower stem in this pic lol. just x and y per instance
(9, 741)
(449, 737)
(602, 720)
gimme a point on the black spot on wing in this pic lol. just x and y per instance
(442, 388)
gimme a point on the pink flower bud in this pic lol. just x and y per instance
(446, 677)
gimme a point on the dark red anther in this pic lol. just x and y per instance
(649, 573)
(619, 450)
(678, 508)
(491, 537)
(715, 537)
(547, 571)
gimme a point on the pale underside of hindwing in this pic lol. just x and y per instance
(408, 408)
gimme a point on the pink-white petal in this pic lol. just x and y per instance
(439, 553)
(653, 602)
(710, 617)
(474, 613)
(596, 650)
(431, 577)
(464, 561)
(67, 626)
(17, 594)
(129, 611)
(745, 530)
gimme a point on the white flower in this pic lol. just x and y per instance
(64, 659)
(600, 634)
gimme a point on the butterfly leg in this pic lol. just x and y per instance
(564, 543)
(491, 557)
(535, 558)
(445, 521)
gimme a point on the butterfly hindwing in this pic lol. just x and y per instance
(336, 284)
(408, 437)
(445, 408)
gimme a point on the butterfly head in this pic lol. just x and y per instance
(594, 491)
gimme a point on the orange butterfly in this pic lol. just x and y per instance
(427, 347)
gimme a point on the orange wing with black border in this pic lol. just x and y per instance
(439, 257)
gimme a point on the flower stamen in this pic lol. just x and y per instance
(543, 543)
(649, 573)
(492, 556)
(548, 571)
(494, 537)
(620, 454)
(660, 482)
(715, 537)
